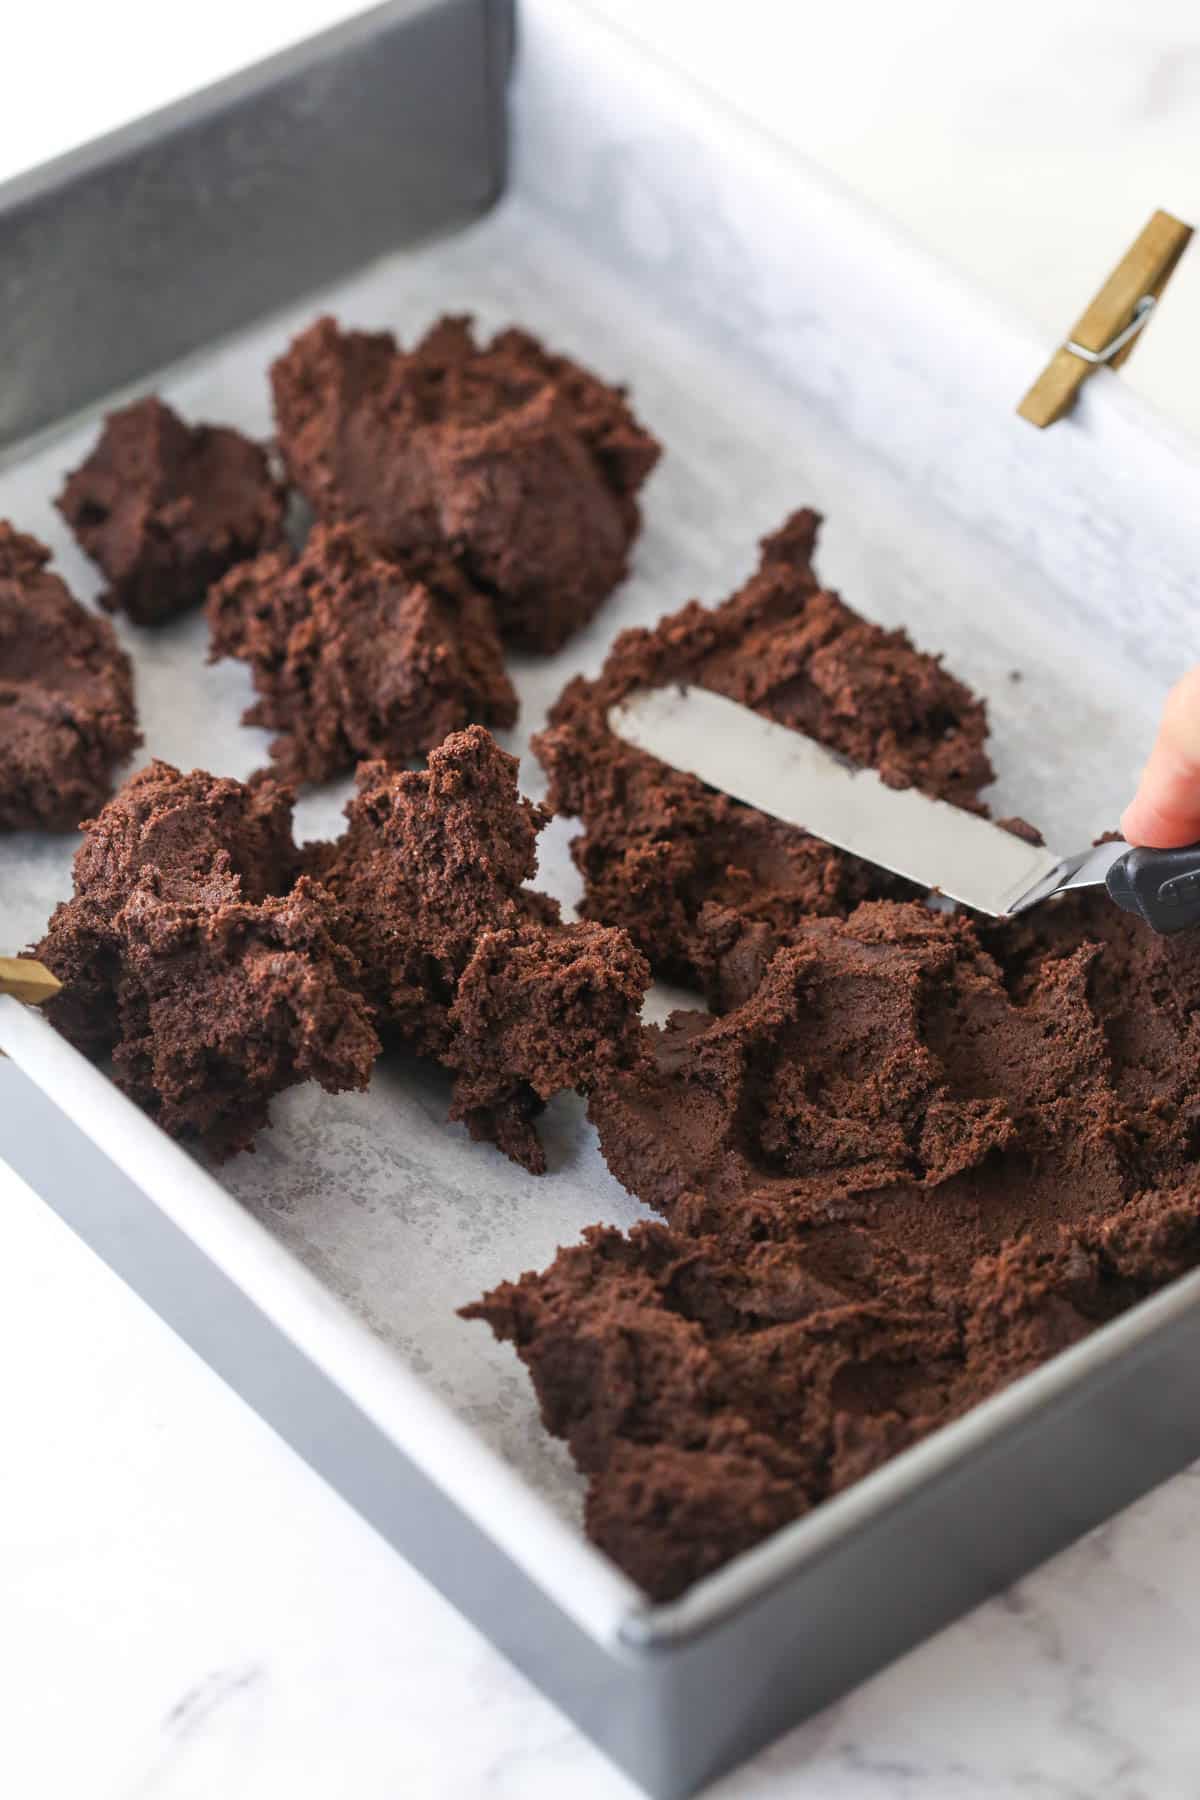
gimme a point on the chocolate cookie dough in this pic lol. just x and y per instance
(883, 1054)
(217, 964)
(520, 464)
(192, 956)
(165, 508)
(915, 1159)
(459, 959)
(686, 870)
(66, 696)
(356, 655)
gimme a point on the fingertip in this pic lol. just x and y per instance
(1165, 811)
(1131, 824)
(1144, 823)
(1181, 716)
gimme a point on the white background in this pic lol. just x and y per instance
(185, 1611)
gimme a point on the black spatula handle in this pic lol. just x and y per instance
(1161, 886)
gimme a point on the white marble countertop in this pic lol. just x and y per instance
(185, 1610)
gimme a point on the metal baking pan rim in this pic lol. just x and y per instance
(216, 97)
(577, 1576)
(230, 202)
(1110, 1351)
(589, 1588)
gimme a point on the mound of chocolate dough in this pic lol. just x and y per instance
(686, 870)
(165, 508)
(217, 964)
(915, 1159)
(192, 956)
(463, 962)
(518, 463)
(357, 656)
(66, 696)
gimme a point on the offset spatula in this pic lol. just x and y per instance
(932, 843)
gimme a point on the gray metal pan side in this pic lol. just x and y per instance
(928, 1553)
(684, 1697)
(125, 255)
(612, 1697)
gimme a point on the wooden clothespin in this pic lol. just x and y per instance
(27, 980)
(1108, 330)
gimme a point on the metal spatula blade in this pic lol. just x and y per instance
(795, 779)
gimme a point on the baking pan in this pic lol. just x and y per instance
(787, 347)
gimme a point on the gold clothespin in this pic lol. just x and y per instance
(1108, 330)
(27, 980)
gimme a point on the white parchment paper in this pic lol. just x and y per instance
(394, 1209)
